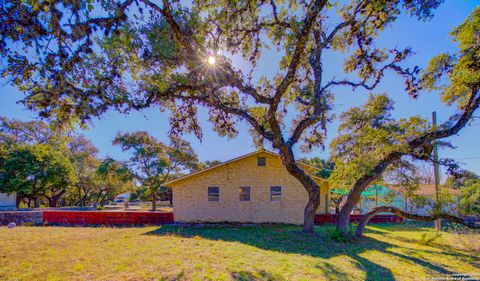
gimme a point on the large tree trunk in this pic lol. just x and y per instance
(18, 200)
(344, 216)
(383, 209)
(37, 203)
(308, 183)
(53, 200)
(311, 209)
(154, 202)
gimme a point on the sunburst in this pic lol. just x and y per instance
(211, 60)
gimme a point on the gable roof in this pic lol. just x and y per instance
(238, 159)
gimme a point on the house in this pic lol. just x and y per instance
(421, 203)
(255, 187)
(8, 202)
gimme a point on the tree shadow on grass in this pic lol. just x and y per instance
(332, 272)
(289, 239)
(260, 275)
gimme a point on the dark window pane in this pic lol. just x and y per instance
(261, 161)
(275, 193)
(213, 193)
(244, 193)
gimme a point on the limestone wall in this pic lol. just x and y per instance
(190, 196)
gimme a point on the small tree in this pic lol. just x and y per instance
(36, 171)
(112, 178)
(82, 154)
(152, 163)
(470, 198)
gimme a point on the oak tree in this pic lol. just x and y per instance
(152, 162)
(36, 171)
(370, 140)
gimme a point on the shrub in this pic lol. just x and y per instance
(336, 235)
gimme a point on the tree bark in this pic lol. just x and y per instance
(384, 209)
(310, 209)
(53, 200)
(344, 215)
(18, 200)
(37, 203)
(154, 202)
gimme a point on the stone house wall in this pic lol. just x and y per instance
(190, 195)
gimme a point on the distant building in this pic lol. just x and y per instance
(8, 202)
(251, 188)
(427, 192)
(421, 204)
(124, 197)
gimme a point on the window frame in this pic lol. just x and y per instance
(241, 191)
(211, 194)
(275, 196)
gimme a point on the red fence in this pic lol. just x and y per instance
(332, 218)
(156, 218)
(105, 217)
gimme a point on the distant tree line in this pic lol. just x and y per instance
(45, 166)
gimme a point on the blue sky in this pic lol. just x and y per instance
(426, 38)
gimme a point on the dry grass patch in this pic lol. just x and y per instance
(390, 252)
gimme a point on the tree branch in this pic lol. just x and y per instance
(364, 181)
(384, 209)
(309, 21)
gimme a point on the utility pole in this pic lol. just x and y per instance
(438, 222)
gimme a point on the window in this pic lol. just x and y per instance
(275, 193)
(261, 161)
(244, 193)
(213, 193)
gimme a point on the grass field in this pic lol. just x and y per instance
(389, 252)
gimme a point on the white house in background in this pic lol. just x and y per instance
(8, 202)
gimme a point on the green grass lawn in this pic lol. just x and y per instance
(389, 252)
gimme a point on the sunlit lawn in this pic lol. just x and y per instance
(229, 253)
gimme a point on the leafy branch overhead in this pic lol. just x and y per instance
(90, 64)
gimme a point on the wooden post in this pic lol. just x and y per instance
(438, 223)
